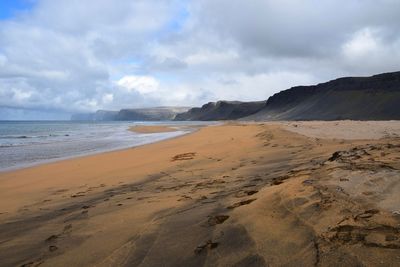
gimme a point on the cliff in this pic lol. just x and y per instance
(149, 114)
(221, 110)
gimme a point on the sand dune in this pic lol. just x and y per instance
(230, 195)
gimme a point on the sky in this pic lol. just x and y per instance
(59, 57)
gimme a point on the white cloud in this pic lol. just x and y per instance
(368, 51)
(140, 84)
(3, 60)
(362, 43)
(20, 95)
(208, 57)
(107, 98)
(258, 87)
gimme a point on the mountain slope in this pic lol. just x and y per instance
(357, 98)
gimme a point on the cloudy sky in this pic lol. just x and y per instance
(59, 57)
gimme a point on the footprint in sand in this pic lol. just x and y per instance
(245, 193)
(279, 180)
(217, 219)
(67, 228)
(53, 248)
(52, 238)
(184, 197)
(241, 203)
(184, 156)
(60, 191)
(366, 214)
(79, 194)
(209, 244)
(33, 263)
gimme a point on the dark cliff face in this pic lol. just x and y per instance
(357, 98)
(221, 110)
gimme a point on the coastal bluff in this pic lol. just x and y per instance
(350, 98)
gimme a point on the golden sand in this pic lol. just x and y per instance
(152, 129)
(230, 195)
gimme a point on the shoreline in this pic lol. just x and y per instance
(229, 194)
(88, 154)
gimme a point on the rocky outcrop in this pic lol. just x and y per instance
(221, 110)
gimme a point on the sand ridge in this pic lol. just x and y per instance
(230, 195)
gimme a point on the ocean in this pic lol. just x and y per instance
(28, 143)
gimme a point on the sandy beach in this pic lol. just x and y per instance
(152, 129)
(239, 194)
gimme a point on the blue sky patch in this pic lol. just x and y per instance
(10, 8)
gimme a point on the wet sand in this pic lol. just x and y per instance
(152, 129)
(230, 195)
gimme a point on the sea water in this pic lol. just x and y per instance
(27, 143)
